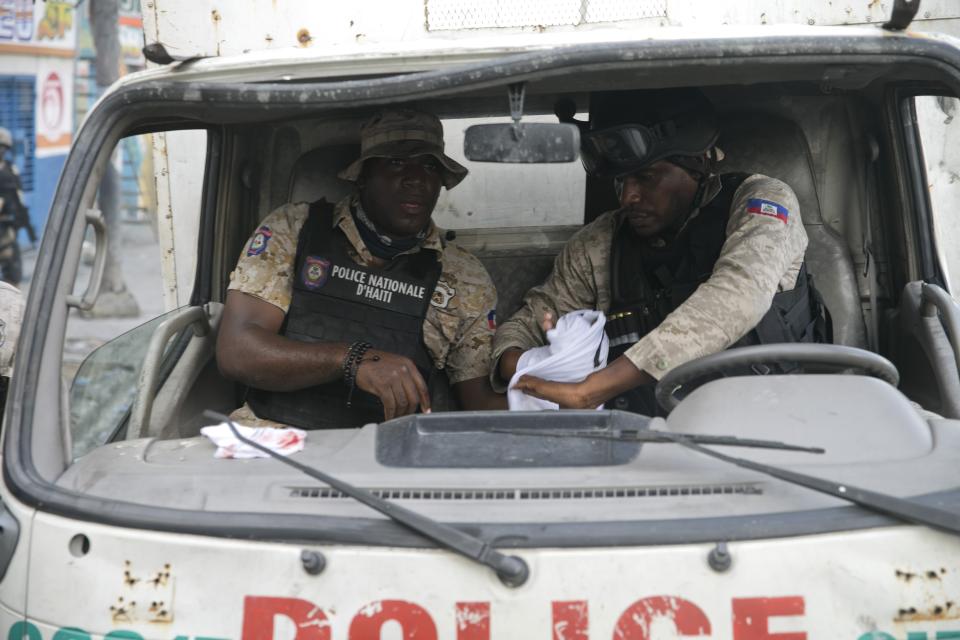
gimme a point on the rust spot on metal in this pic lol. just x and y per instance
(945, 611)
(122, 611)
(160, 578)
(128, 579)
(929, 595)
(158, 585)
(161, 612)
(304, 37)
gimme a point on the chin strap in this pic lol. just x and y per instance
(704, 169)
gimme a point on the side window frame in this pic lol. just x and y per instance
(948, 280)
(913, 175)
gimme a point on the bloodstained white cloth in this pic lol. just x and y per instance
(284, 441)
(577, 347)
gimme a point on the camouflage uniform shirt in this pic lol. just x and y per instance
(458, 328)
(11, 315)
(762, 255)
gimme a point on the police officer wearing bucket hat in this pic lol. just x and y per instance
(337, 315)
(691, 263)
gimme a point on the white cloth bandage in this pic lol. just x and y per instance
(577, 347)
(284, 441)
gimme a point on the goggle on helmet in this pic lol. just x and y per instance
(624, 148)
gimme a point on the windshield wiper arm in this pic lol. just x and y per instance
(899, 508)
(650, 435)
(512, 570)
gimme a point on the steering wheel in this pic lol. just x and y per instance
(830, 357)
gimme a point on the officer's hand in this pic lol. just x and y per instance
(569, 395)
(511, 357)
(396, 381)
(548, 322)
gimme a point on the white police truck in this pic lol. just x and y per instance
(823, 504)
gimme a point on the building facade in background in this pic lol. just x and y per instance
(47, 86)
(134, 161)
(37, 51)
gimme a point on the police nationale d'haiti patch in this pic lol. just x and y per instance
(768, 208)
(315, 272)
(259, 242)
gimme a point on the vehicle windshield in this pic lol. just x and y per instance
(182, 210)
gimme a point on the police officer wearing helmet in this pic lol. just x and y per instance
(337, 315)
(13, 213)
(693, 262)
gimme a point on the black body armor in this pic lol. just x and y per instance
(337, 300)
(648, 282)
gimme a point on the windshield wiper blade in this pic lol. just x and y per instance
(512, 570)
(650, 435)
(899, 508)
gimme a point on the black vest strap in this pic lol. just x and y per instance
(336, 300)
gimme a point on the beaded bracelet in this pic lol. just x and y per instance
(350, 365)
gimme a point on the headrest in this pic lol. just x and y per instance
(314, 175)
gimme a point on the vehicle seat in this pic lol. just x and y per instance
(776, 147)
(314, 175)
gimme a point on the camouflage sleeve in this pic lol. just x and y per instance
(578, 274)
(763, 252)
(473, 302)
(265, 267)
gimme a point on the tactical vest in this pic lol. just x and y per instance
(336, 300)
(649, 282)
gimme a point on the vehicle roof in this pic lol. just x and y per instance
(338, 60)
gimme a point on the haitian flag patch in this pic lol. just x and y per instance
(767, 208)
(492, 320)
(259, 242)
(315, 272)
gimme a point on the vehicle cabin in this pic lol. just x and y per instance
(862, 124)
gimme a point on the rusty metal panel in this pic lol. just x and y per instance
(483, 14)
(802, 12)
(200, 28)
(895, 583)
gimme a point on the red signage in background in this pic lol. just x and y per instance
(51, 102)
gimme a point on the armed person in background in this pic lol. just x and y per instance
(336, 316)
(692, 262)
(13, 214)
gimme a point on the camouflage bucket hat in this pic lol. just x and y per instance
(404, 133)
